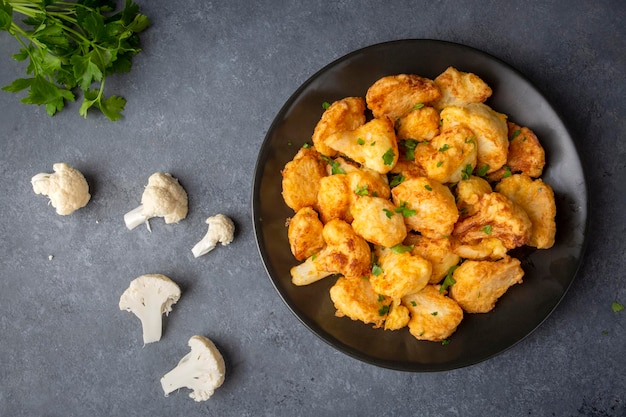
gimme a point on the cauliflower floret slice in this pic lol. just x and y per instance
(66, 188)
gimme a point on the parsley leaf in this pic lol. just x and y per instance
(362, 190)
(396, 180)
(398, 249)
(409, 146)
(444, 148)
(467, 172)
(376, 270)
(448, 280)
(389, 156)
(482, 171)
(335, 166)
(487, 229)
(406, 212)
(616, 307)
(325, 105)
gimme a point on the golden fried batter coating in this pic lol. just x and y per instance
(430, 206)
(402, 273)
(490, 132)
(408, 169)
(398, 316)
(468, 192)
(305, 233)
(439, 252)
(373, 144)
(301, 179)
(498, 217)
(537, 199)
(526, 155)
(434, 316)
(345, 253)
(419, 124)
(448, 155)
(365, 181)
(396, 95)
(490, 248)
(342, 115)
(460, 88)
(377, 222)
(334, 198)
(479, 284)
(354, 297)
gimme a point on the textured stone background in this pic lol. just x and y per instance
(201, 97)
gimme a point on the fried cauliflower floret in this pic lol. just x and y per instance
(525, 156)
(429, 206)
(373, 144)
(468, 192)
(537, 199)
(345, 253)
(398, 316)
(448, 155)
(342, 115)
(460, 88)
(490, 132)
(479, 284)
(396, 95)
(498, 217)
(489, 248)
(434, 316)
(354, 297)
(419, 124)
(305, 233)
(439, 252)
(368, 182)
(407, 168)
(376, 221)
(402, 273)
(334, 198)
(301, 179)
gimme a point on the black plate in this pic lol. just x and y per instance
(548, 273)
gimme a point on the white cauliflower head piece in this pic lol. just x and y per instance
(148, 297)
(163, 197)
(221, 230)
(66, 188)
(202, 370)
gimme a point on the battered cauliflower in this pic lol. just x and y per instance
(419, 124)
(67, 188)
(373, 144)
(396, 95)
(345, 253)
(460, 88)
(434, 316)
(301, 179)
(525, 154)
(342, 115)
(439, 252)
(429, 206)
(376, 220)
(537, 199)
(490, 132)
(354, 297)
(479, 284)
(334, 198)
(489, 248)
(402, 273)
(305, 233)
(398, 316)
(468, 193)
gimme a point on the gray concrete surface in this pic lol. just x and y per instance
(201, 97)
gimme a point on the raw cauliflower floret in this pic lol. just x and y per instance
(67, 188)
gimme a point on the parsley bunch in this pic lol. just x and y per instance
(72, 45)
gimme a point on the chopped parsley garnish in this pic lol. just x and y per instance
(487, 229)
(428, 187)
(418, 106)
(616, 307)
(383, 310)
(507, 172)
(388, 213)
(471, 140)
(448, 280)
(444, 148)
(306, 145)
(467, 172)
(325, 105)
(362, 190)
(388, 157)
(396, 180)
(445, 342)
(515, 134)
(376, 270)
(360, 141)
(406, 212)
(334, 165)
(409, 146)
(482, 171)
(440, 163)
(398, 249)
(434, 313)
(413, 303)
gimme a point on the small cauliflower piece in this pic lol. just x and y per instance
(419, 124)
(428, 206)
(377, 222)
(396, 95)
(434, 316)
(437, 251)
(345, 253)
(301, 179)
(334, 198)
(468, 192)
(342, 115)
(490, 132)
(459, 88)
(163, 197)
(489, 248)
(148, 297)
(221, 230)
(354, 297)
(373, 144)
(537, 199)
(402, 273)
(479, 284)
(202, 370)
(398, 316)
(305, 233)
(526, 155)
(67, 188)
